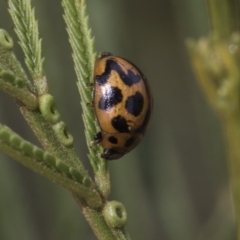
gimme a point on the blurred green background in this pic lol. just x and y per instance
(174, 185)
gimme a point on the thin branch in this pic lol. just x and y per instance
(21, 94)
(223, 17)
(48, 166)
(216, 61)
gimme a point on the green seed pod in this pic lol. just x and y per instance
(62, 134)
(48, 108)
(8, 76)
(5, 134)
(63, 168)
(76, 175)
(38, 154)
(49, 159)
(5, 40)
(87, 182)
(20, 82)
(115, 214)
(27, 148)
(15, 141)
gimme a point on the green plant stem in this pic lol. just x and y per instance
(217, 69)
(223, 17)
(101, 229)
(82, 43)
(43, 130)
(90, 194)
(232, 131)
(99, 226)
(21, 94)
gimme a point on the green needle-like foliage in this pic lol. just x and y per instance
(58, 161)
(26, 28)
(54, 169)
(84, 58)
(13, 79)
(8, 59)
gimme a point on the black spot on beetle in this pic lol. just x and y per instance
(112, 96)
(129, 142)
(134, 104)
(102, 79)
(113, 140)
(120, 124)
(129, 79)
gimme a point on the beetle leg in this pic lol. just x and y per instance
(90, 104)
(90, 84)
(97, 138)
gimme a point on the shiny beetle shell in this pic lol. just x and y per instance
(122, 103)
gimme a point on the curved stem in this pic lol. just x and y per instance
(223, 17)
(232, 131)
